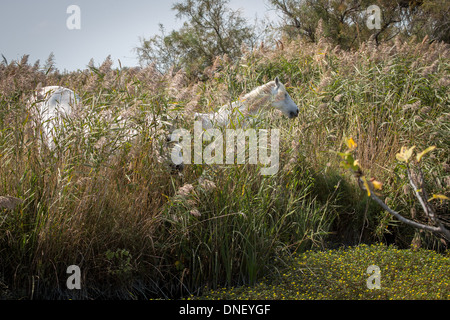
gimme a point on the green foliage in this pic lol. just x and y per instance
(342, 274)
(212, 29)
(120, 262)
(241, 226)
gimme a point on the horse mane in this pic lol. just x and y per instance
(260, 97)
(249, 104)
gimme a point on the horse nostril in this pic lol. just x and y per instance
(293, 114)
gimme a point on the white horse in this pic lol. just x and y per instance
(272, 94)
(50, 106)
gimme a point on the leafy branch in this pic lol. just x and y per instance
(415, 179)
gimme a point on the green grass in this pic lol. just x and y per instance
(342, 274)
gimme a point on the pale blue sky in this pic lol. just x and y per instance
(107, 27)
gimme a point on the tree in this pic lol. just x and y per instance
(432, 20)
(344, 21)
(211, 29)
(340, 19)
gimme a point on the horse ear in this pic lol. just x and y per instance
(277, 82)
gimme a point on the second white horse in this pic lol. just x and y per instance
(272, 94)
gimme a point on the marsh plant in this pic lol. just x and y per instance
(137, 229)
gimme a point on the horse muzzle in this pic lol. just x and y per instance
(293, 114)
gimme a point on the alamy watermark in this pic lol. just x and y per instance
(259, 149)
(74, 280)
(374, 280)
(374, 19)
(73, 22)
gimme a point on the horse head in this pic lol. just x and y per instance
(283, 101)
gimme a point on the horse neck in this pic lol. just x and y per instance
(257, 99)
